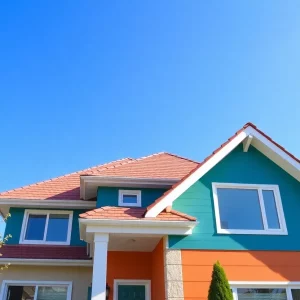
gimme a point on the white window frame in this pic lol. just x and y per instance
(146, 283)
(47, 213)
(288, 285)
(136, 193)
(7, 283)
(259, 188)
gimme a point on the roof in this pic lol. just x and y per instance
(124, 213)
(67, 187)
(184, 179)
(44, 252)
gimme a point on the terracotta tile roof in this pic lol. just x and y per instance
(249, 124)
(67, 187)
(125, 213)
(44, 252)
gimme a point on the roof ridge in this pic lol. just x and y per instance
(63, 176)
(181, 157)
(133, 160)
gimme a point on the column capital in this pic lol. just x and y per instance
(101, 237)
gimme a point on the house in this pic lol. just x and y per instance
(151, 228)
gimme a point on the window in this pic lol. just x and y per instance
(280, 291)
(130, 198)
(46, 227)
(248, 209)
(28, 290)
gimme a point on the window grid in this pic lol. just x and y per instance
(259, 187)
(47, 214)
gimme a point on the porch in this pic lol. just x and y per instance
(129, 254)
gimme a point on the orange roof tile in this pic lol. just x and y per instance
(67, 187)
(133, 213)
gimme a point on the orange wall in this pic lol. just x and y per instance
(158, 278)
(128, 265)
(239, 266)
(138, 265)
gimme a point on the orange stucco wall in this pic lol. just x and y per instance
(239, 266)
(158, 278)
(138, 265)
(128, 265)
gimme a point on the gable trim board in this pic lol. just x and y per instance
(260, 141)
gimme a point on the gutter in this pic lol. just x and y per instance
(138, 223)
(47, 203)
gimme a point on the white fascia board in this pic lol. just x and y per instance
(47, 262)
(142, 230)
(205, 167)
(137, 223)
(107, 181)
(273, 147)
(47, 203)
(88, 227)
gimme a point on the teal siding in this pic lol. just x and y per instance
(14, 226)
(108, 196)
(239, 167)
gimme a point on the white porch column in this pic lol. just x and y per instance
(99, 266)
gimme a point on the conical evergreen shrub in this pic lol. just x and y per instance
(219, 287)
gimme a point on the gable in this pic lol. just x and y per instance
(250, 167)
(248, 135)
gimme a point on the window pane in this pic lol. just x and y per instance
(57, 228)
(52, 293)
(261, 294)
(129, 199)
(20, 292)
(239, 209)
(35, 227)
(296, 294)
(271, 210)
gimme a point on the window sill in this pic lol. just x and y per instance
(44, 243)
(252, 232)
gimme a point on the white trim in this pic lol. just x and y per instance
(146, 283)
(119, 180)
(281, 158)
(136, 193)
(259, 188)
(247, 142)
(263, 283)
(46, 262)
(47, 213)
(88, 227)
(287, 285)
(47, 203)
(191, 179)
(6, 283)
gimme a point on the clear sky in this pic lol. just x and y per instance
(86, 82)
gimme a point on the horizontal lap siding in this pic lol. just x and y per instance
(251, 167)
(239, 266)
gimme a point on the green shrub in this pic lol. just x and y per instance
(219, 287)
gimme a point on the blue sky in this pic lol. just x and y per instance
(86, 82)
